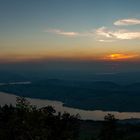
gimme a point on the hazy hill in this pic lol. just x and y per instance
(100, 95)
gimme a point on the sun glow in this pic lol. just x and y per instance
(120, 56)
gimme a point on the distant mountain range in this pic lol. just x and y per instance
(89, 95)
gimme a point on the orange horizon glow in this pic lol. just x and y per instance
(120, 56)
(82, 56)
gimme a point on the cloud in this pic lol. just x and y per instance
(70, 34)
(118, 34)
(125, 22)
(103, 34)
(60, 32)
(103, 31)
(105, 40)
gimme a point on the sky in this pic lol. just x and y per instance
(95, 30)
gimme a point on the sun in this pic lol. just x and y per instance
(119, 56)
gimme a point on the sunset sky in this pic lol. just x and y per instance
(69, 29)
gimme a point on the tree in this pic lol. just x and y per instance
(23, 121)
(22, 103)
(108, 131)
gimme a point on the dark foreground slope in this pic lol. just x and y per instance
(26, 122)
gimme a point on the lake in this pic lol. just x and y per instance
(6, 98)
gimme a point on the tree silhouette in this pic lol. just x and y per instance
(108, 131)
(25, 122)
